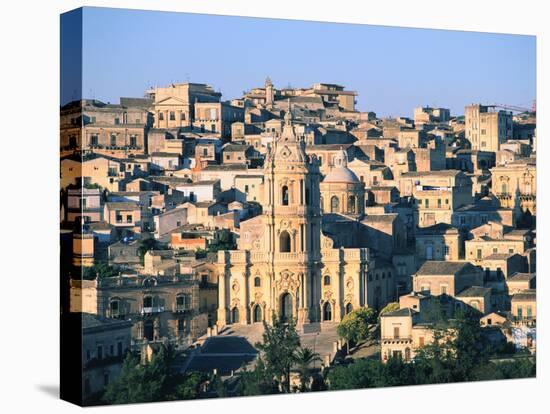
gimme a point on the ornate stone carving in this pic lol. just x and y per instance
(257, 244)
(327, 242)
(287, 281)
(258, 297)
(285, 152)
(348, 298)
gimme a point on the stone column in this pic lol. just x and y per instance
(222, 305)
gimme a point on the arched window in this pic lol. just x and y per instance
(284, 242)
(286, 306)
(147, 302)
(349, 308)
(504, 188)
(351, 204)
(183, 302)
(257, 313)
(327, 312)
(257, 281)
(326, 280)
(334, 204)
(149, 330)
(527, 187)
(284, 195)
(235, 315)
(307, 197)
(114, 308)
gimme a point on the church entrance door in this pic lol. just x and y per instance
(286, 306)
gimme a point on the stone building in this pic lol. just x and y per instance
(174, 105)
(486, 128)
(341, 191)
(159, 307)
(428, 115)
(105, 343)
(446, 277)
(438, 194)
(515, 184)
(116, 130)
(284, 265)
(215, 118)
(439, 242)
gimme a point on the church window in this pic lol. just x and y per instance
(326, 280)
(114, 308)
(284, 195)
(351, 204)
(284, 242)
(334, 204)
(257, 281)
(327, 312)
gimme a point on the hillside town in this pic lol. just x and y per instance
(196, 222)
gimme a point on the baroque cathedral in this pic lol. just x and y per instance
(294, 260)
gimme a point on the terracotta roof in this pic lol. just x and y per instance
(435, 267)
(474, 291)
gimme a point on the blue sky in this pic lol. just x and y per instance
(393, 69)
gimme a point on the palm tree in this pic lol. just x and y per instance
(303, 358)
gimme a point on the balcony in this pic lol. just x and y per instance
(400, 340)
(150, 310)
(181, 308)
(291, 257)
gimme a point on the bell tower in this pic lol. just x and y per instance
(293, 225)
(269, 92)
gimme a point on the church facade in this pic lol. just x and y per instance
(285, 266)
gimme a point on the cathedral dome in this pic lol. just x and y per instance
(341, 175)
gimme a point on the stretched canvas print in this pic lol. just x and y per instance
(255, 206)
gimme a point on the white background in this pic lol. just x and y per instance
(29, 218)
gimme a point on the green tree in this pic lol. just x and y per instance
(189, 386)
(390, 307)
(225, 242)
(128, 387)
(144, 246)
(352, 376)
(304, 357)
(219, 387)
(154, 381)
(280, 343)
(259, 381)
(358, 325)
